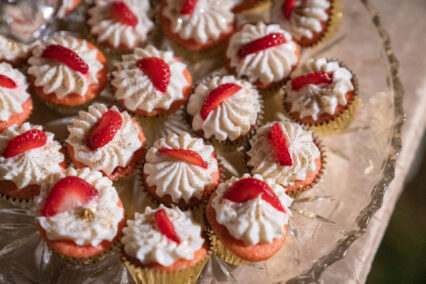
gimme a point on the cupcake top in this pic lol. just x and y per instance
(163, 235)
(262, 53)
(64, 65)
(283, 151)
(180, 166)
(224, 108)
(81, 206)
(11, 51)
(30, 156)
(257, 217)
(120, 23)
(13, 91)
(149, 79)
(302, 19)
(319, 87)
(201, 20)
(122, 138)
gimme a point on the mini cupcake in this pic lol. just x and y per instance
(164, 245)
(120, 25)
(67, 7)
(67, 72)
(265, 55)
(15, 102)
(30, 158)
(248, 218)
(197, 25)
(181, 170)
(287, 154)
(13, 52)
(106, 140)
(80, 215)
(224, 108)
(151, 82)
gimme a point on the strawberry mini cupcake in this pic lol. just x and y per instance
(67, 7)
(265, 55)
(13, 52)
(287, 154)
(15, 101)
(181, 170)
(67, 72)
(106, 140)
(30, 157)
(151, 82)
(248, 217)
(120, 25)
(224, 108)
(197, 25)
(80, 215)
(164, 245)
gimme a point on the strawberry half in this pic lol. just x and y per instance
(279, 145)
(6, 82)
(68, 193)
(123, 14)
(26, 141)
(287, 8)
(249, 188)
(66, 56)
(216, 97)
(315, 78)
(188, 7)
(105, 129)
(187, 156)
(157, 70)
(262, 43)
(166, 226)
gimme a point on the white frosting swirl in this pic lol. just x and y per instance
(314, 100)
(55, 76)
(116, 153)
(136, 89)
(11, 100)
(115, 33)
(233, 118)
(181, 180)
(302, 149)
(69, 226)
(11, 50)
(268, 65)
(209, 20)
(255, 221)
(33, 167)
(143, 240)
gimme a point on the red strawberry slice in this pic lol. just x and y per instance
(6, 82)
(262, 43)
(105, 129)
(26, 141)
(287, 8)
(68, 193)
(249, 188)
(279, 145)
(217, 96)
(123, 14)
(66, 56)
(188, 7)
(157, 70)
(187, 156)
(315, 78)
(166, 226)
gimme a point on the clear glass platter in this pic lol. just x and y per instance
(326, 220)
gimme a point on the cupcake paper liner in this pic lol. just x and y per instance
(21, 203)
(220, 250)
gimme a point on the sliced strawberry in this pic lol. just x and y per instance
(187, 156)
(166, 226)
(68, 193)
(157, 70)
(123, 14)
(188, 7)
(105, 129)
(262, 43)
(26, 141)
(66, 56)
(6, 82)
(287, 8)
(249, 188)
(217, 96)
(315, 78)
(279, 145)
